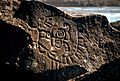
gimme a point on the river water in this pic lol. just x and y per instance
(112, 13)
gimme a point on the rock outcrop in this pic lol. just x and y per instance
(107, 72)
(40, 42)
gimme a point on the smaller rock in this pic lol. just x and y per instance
(116, 25)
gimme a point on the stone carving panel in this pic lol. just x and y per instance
(58, 40)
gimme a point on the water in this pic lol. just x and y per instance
(112, 13)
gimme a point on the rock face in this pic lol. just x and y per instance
(44, 43)
(14, 51)
(107, 72)
(56, 38)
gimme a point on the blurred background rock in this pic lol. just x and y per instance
(83, 2)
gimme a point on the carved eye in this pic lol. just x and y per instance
(42, 34)
(58, 43)
(60, 33)
(48, 35)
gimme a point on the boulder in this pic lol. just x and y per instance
(116, 25)
(40, 42)
(107, 72)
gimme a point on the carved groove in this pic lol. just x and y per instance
(61, 43)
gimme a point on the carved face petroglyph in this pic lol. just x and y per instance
(59, 40)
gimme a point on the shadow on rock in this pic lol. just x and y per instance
(107, 72)
(63, 74)
(14, 52)
(15, 57)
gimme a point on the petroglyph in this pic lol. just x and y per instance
(59, 38)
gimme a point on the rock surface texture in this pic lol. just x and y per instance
(41, 43)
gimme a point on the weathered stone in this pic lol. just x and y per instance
(116, 25)
(99, 39)
(46, 42)
(62, 74)
(15, 56)
(58, 36)
(22, 46)
(107, 72)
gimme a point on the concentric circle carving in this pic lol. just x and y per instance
(59, 40)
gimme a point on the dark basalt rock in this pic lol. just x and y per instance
(36, 13)
(116, 25)
(107, 72)
(14, 52)
(56, 37)
(62, 74)
(40, 42)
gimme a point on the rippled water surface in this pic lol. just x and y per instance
(112, 13)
